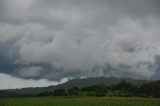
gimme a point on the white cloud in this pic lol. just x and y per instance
(85, 38)
(126, 43)
(9, 82)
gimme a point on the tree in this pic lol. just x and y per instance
(151, 89)
(47, 93)
(73, 91)
(100, 90)
(59, 92)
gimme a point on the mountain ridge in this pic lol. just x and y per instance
(83, 82)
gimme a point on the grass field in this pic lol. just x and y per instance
(77, 101)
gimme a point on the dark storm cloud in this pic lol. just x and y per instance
(6, 63)
(156, 68)
(53, 39)
(136, 8)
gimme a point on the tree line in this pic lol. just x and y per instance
(123, 89)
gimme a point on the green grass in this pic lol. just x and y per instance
(78, 101)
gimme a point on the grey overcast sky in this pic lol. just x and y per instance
(46, 42)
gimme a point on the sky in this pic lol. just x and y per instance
(47, 42)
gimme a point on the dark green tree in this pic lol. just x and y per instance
(60, 92)
(73, 91)
(100, 90)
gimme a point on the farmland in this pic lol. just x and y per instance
(79, 101)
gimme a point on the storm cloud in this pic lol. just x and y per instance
(55, 39)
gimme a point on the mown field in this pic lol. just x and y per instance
(77, 101)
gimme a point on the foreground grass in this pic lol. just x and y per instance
(77, 101)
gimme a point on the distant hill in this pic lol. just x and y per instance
(98, 80)
(85, 82)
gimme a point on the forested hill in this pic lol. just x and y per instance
(99, 80)
(79, 83)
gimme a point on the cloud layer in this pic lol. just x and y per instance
(13, 82)
(46, 39)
